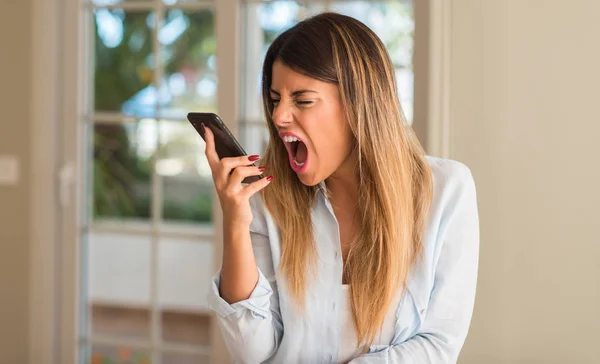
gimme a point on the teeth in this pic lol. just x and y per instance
(290, 139)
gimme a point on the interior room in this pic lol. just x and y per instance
(110, 228)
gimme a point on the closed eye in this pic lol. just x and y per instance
(302, 103)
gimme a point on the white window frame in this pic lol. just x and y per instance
(432, 67)
(58, 66)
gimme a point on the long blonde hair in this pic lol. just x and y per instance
(395, 181)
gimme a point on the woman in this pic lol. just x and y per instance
(357, 248)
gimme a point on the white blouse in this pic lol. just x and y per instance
(431, 320)
(348, 348)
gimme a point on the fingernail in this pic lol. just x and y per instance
(270, 178)
(203, 127)
(253, 158)
(262, 169)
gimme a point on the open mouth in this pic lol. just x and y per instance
(297, 151)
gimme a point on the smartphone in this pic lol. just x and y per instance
(225, 143)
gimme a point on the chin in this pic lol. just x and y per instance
(309, 180)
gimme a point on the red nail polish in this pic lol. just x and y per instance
(270, 178)
(262, 169)
(203, 127)
(253, 158)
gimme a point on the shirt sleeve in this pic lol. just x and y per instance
(252, 328)
(450, 308)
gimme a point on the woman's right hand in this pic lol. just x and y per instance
(233, 196)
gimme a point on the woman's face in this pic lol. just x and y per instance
(309, 117)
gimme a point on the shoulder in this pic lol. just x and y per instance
(452, 183)
(449, 174)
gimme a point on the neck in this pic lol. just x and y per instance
(342, 185)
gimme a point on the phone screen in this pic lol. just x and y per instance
(225, 143)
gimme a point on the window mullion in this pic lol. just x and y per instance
(87, 205)
(228, 34)
(157, 199)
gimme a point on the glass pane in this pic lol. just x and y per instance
(186, 327)
(186, 176)
(119, 284)
(188, 54)
(276, 16)
(175, 358)
(254, 138)
(185, 268)
(105, 354)
(114, 320)
(124, 63)
(393, 22)
(122, 169)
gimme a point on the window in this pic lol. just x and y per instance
(147, 236)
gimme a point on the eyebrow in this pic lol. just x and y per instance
(295, 93)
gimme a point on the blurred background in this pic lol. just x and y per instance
(109, 230)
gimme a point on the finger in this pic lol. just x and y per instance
(231, 163)
(240, 173)
(256, 186)
(210, 151)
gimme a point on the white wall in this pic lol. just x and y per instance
(525, 95)
(15, 227)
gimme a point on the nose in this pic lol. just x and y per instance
(282, 116)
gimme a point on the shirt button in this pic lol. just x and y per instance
(333, 305)
(336, 255)
(423, 311)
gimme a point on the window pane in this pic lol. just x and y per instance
(122, 169)
(393, 22)
(124, 63)
(111, 319)
(175, 358)
(119, 284)
(185, 174)
(188, 54)
(276, 16)
(186, 327)
(105, 354)
(186, 266)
